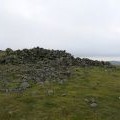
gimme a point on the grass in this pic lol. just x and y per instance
(67, 102)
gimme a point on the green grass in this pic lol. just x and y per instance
(68, 100)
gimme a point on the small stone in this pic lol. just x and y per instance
(50, 92)
(93, 100)
(86, 100)
(10, 112)
(119, 98)
(64, 94)
(41, 83)
(93, 105)
(6, 90)
(61, 82)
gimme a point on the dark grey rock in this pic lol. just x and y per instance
(61, 82)
(64, 94)
(24, 85)
(93, 100)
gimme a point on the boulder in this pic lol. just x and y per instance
(24, 85)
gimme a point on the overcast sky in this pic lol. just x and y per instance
(82, 27)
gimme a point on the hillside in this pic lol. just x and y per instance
(41, 84)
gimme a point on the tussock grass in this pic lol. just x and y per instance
(67, 102)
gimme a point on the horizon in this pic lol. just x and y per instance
(92, 57)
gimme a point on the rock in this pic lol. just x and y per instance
(93, 100)
(64, 94)
(24, 85)
(61, 82)
(90, 100)
(119, 98)
(93, 105)
(7, 90)
(86, 100)
(20, 89)
(50, 92)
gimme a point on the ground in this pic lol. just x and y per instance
(70, 100)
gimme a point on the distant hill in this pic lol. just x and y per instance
(115, 62)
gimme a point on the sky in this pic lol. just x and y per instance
(82, 27)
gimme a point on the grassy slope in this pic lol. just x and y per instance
(35, 104)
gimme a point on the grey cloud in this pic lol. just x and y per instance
(83, 27)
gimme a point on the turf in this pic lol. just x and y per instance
(67, 100)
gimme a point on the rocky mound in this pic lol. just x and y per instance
(21, 69)
(38, 55)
